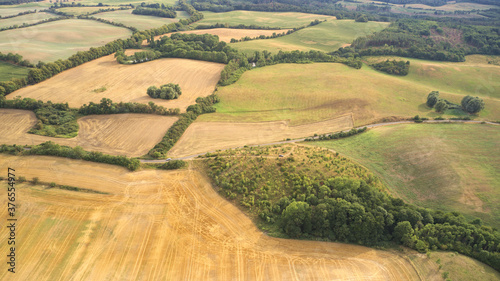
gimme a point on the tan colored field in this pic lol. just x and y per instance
(226, 34)
(159, 225)
(121, 134)
(127, 83)
(209, 136)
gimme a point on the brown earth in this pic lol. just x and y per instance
(161, 225)
(127, 83)
(209, 136)
(120, 134)
(226, 34)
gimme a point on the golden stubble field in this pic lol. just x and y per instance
(226, 34)
(162, 225)
(119, 134)
(127, 83)
(209, 136)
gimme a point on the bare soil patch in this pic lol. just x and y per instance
(121, 134)
(163, 225)
(127, 83)
(209, 136)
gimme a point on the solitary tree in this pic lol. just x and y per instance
(441, 106)
(472, 104)
(432, 98)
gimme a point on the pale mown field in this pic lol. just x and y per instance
(159, 225)
(226, 34)
(59, 39)
(127, 83)
(120, 134)
(210, 136)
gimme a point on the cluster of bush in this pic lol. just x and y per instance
(174, 133)
(469, 104)
(393, 67)
(168, 91)
(173, 165)
(16, 59)
(338, 135)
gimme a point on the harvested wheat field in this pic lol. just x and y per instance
(226, 34)
(159, 225)
(127, 83)
(209, 136)
(120, 134)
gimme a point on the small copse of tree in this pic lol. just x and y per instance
(393, 67)
(168, 91)
(472, 104)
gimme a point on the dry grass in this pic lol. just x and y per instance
(162, 225)
(127, 83)
(121, 134)
(209, 136)
(59, 39)
(226, 34)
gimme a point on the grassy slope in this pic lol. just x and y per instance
(447, 166)
(59, 39)
(140, 22)
(9, 71)
(281, 20)
(327, 36)
(30, 18)
(312, 92)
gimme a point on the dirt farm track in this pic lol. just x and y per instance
(162, 225)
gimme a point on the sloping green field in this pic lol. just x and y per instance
(271, 19)
(140, 22)
(9, 71)
(451, 167)
(304, 93)
(327, 36)
(29, 18)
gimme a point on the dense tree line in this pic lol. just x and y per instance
(52, 149)
(349, 207)
(137, 57)
(168, 91)
(174, 133)
(393, 67)
(173, 165)
(14, 2)
(239, 26)
(18, 14)
(59, 120)
(338, 135)
(416, 38)
(16, 59)
(155, 9)
(276, 35)
(107, 106)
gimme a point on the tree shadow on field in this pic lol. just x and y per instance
(423, 108)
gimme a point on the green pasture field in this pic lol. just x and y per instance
(327, 37)
(28, 19)
(8, 10)
(449, 167)
(473, 77)
(140, 22)
(271, 19)
(124, 2)
(82, 10)
(60, 39)
(9, 71)
(305, 93)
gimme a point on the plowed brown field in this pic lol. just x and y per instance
(209, 136)
(119, 134)
(159, 225)
(127, 83)
(226, 34)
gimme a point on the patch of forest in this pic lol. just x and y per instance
(312, 193)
